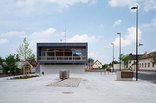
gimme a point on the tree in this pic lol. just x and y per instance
(90, 61)
(1, 60)
(154, 58)
(17, 58)
(115, 62)
(24, 51)
(125, 59)
(32, 57)
(105, 65)
(10, 64)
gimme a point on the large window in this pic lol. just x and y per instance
(152, 64)
(148, 64)
(63, 53)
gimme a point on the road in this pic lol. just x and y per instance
(148, 76)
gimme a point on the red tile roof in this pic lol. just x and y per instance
(149, 55)
(33, 63)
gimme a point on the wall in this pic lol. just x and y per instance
(147, 67)
(52, 69)
(117, 66)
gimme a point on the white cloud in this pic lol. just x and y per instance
(66, 3)
(82, 38)
(3, 41)
(43, 35)
(118, 22)
(62, 3)
(129, 38)
(13, 33)
(29, 8)
(121, 3)
(149, 5)
(50, 35)
(47, 35)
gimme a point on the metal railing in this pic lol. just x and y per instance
(61, 58)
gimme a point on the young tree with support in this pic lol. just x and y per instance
(25, 53)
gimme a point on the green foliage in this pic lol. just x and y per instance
(17, 58)
(10, 64)
(90, 60)
(115, 62)
(154, 58)
(25, 77)
(125, 59)
(105, 65)
(32, 57)
(24, 51)
(1, 60)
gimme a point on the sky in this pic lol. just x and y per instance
(94, 21)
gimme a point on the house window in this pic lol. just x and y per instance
(142, 65)
(152, 64)
(148, 64)
(145, 65)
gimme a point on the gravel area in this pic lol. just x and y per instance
(71, 82)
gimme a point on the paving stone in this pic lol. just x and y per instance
(71, 82)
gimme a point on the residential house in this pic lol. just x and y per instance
(145, 63)
(132, 64)
(54, 57)
(32, 64)
(97, 65)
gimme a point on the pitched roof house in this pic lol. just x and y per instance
(145, 63)
(97, 64)
(132, 64)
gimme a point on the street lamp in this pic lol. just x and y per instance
(140, 44)
(136, 41)
(120, 50)
(113, 57)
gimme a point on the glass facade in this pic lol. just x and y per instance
(51, 53)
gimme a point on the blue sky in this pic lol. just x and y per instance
(92, 21)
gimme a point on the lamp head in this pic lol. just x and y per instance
(134, 7)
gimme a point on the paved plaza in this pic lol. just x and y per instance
(93, 88)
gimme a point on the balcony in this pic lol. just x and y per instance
(62, 58)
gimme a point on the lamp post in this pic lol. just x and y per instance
(120, 50)
(113, 57)
(136, 41)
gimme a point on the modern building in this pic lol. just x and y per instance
(54, 57)
(97, 65)
(145, 63)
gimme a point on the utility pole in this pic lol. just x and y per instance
(113, 57)
(120, 50)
